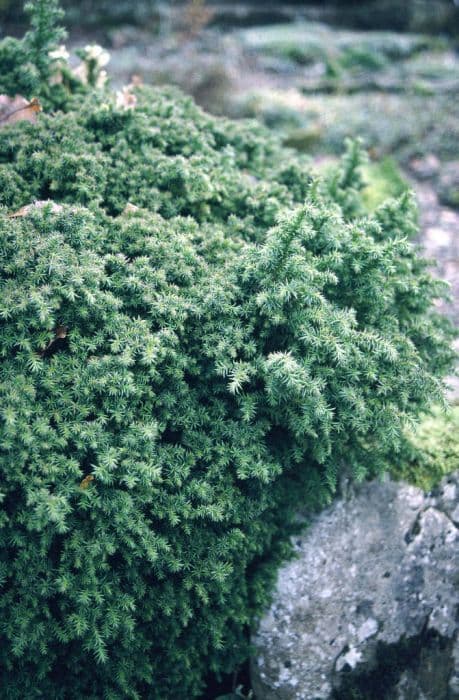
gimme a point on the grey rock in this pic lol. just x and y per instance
(370, 604)
(425, 168)
(448, 184)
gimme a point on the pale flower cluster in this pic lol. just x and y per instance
(125, 98)
(59, 56)
(96, 53)
(93, 53)
(94, 58)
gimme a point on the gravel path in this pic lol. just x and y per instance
(440, 241)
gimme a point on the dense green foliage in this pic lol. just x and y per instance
(197, 336)
(25, 64)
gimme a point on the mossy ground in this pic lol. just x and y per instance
(432, 449)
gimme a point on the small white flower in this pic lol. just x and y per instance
(125, 99)
(101, 79)
(59, 54)
(94, 52)
(81, 73)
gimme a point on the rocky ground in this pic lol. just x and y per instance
(440, 241)
(368, 607)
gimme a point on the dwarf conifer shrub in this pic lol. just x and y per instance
(196, 339)
(26, 63)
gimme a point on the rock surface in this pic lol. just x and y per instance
(448, 190)
(370, 608)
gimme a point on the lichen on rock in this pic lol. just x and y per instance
(369, 607)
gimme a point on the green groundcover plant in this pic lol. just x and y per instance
(197, 337)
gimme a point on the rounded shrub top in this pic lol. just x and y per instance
(197, 337)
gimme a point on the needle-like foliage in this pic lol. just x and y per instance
(196, 339)
(27, 64)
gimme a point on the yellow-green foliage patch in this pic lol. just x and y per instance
(432, 450)
(384, 180)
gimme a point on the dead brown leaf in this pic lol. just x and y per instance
(130, 208)
(16, 109)
(125, 98)
(59, 334)
(86, 481)
(195, 17)
(136, 80)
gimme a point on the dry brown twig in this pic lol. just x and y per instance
(196, 16)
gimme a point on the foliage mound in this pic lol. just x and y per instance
(196, 338)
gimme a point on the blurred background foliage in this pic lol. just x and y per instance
(103, 13)
(411, 15)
